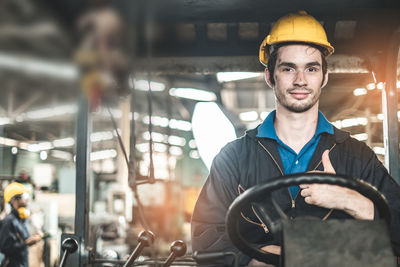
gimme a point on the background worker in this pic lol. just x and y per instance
(294, 138)
(14, 234)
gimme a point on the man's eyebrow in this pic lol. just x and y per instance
(287, 64)
(314, 63)
(292, 65)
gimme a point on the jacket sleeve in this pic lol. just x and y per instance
(208, 221)
(10, 244)
(376, 174)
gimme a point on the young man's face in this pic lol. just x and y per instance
(298, 77)
(22, 200)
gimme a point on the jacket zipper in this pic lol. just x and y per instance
(293, 200)
(261, 224)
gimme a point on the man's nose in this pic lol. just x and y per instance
(300, 79)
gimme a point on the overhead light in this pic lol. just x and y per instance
(361, 136)
(354, 122)
(142, 147)
(135, 115)
(193, 93)
(101, 136)
(19, 118)
(194, 154)
(381, 117)
(65, 142)
(234, 76)
(143, 85)
(52, 112)
(380, 85)
(176, 140)
(398, 84)
(360, 91)
(103, 154)
(379, 150)
(43, 155)
(180, 125)
(23, 145)
(175, 150)
(4, 120)
(8, 141)
(192, 144)
(248, 115)
(371, 86)
(40, 146)
(65, 71)
(156, 137)
(165, 122)
(160, 147)
(350, 122)
(14, 150)
(61, 155)
(209, 116)
(156, 120)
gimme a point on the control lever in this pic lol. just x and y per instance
(178, 249)
(146, 239)
(69, 246)
(206, 256)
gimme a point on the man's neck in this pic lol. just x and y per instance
(296, 129)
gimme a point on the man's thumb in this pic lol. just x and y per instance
(326, 162)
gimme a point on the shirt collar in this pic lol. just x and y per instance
(267, 129)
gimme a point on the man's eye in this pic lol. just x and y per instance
(312, 69)
(286, 69)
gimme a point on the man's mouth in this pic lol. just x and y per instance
(299, 94)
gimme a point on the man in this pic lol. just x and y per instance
(14, 235)
(294, 138)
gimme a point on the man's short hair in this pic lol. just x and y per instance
(274, 56)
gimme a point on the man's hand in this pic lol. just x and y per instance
(33, 239)
(337, 197)
(274, 249)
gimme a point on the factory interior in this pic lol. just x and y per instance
(111, 111)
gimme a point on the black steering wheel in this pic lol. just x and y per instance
(261, 193)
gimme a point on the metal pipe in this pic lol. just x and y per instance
(82, 171)
(389, 109)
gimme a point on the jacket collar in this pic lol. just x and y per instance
(339, 136)
(15, 212)
(327, 141)
(267, 128)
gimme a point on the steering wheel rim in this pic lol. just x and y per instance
(258, 192)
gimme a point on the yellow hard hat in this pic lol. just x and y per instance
(13, 190)
(299, 27)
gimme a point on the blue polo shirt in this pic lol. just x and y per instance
(293, 162)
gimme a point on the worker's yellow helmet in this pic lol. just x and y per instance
(299, 27)
(13, 190)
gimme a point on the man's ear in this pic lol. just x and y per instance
(325, 80)
(267, 76)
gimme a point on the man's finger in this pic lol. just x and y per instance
(326, 162)
(305, 192)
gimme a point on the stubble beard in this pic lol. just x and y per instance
(298, 106)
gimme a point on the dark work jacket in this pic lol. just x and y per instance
(13, 234)
(250, 160)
